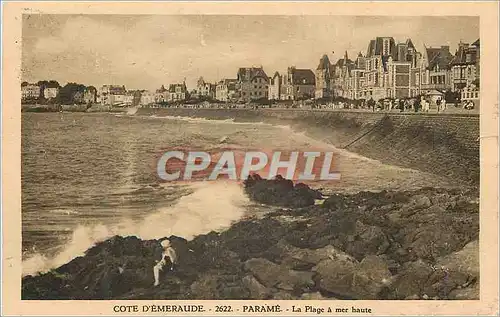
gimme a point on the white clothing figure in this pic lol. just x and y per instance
(169, 252)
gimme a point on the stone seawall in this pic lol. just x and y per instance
(446, 145)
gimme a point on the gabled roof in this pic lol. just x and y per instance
(324, 63)
(461, 55)
(249, 73)
(171, 87)
(342, 62)
(476, 43)
(162, 89)
(376, 46)
(276, 76)
(409, 44)
(303, 77)
(438, 57)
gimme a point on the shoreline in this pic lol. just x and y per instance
(444, 145)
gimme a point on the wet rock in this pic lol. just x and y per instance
(280, 192)
(457, 270)
(412, 280)
(270, 275)
(305, 259)
(314, 296)
(471, 292)
(281, 295)
(421, 201)
(252, 238)
(257, 290)
(214, 286)
(372, 277)
(336, 277)
(368, 240)
(264, 270)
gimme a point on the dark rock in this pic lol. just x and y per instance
(257, 290)
(280, 192)
(412, 280)
(271, 274)
(215, 286)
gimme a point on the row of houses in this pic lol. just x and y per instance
(398, 70)
(35, 91)
(51, 91)
(387, 70)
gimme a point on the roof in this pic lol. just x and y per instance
(409, 44)
(171, 87)
(342, 62)
(376, 46)
(303, 77)
(249, 73)
(324, 63)
(438, 57)
(476, 43)
(464, 50)
(272, 80)
(162, 89)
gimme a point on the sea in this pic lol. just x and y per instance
(89, 176)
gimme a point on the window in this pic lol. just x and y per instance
(255, 87)
(260, 87)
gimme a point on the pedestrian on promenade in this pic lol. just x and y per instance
(371, 104)
(438, 104)
(416, 104)
(402, 105)
(443, 105)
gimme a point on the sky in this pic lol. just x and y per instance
(146, 51)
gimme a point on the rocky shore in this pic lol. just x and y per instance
(419, 244)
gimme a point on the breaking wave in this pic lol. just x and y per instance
(212, 206)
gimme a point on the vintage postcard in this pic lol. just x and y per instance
(250, 158)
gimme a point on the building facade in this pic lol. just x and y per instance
(435, 69)
(204, 89)
(225, 90)
(162, 95)
(112, 94)
(465, 70)
(275, 83)
(30, 91)
(252, 83)
(388, 70)
(177, 92)
(90, 95)
(147, 98)
(50, 92)
(298, 84)
(324, 77)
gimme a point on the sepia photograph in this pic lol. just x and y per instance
(236, 157)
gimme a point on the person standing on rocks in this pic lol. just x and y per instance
(168, 252)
